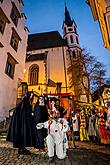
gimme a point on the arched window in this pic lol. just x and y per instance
(77, 40)
(74, 54)
(64, 30)
(33, 74)
(71, 38)
(75, 30)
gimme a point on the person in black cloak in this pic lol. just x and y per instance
(21, 130)
(40, 116)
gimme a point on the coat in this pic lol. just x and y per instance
(40, 116)
(22, 132)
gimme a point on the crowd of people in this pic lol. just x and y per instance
(42, 127)
(45, 127)
(93, 125)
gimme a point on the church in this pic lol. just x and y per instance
(43, 62)
(49, 57)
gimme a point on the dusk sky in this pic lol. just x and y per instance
(48, 15)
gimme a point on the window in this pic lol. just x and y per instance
(77, 40)
(75, 30)
(74, 54)
(3, 20)
(14, 14)
(33, 74)
(2, 25)
(14, 40)
(10, 66)
(66, 40)
(71, 38)
(70, 29)
(64, 30)
(1, 1)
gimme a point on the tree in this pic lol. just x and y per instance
(87, 74)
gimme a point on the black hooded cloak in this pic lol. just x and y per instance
(22, 132)
(40, 116)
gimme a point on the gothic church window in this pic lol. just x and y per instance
(33, 74)
(71, 38)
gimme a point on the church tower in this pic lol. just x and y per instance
(70, 34)
(75, 68)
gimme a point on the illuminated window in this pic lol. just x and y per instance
(33, 74)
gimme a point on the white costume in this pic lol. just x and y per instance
(56, 138)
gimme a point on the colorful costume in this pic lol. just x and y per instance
(104, 134)
(83, 130)
(93, 128)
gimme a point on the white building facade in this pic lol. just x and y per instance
(13, 43)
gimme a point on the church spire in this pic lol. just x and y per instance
(67, 20)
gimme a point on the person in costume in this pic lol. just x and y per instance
(83, 128)
(40, 116)
(75, 125)
(21, 130)
(92, 129)
(104, 134)
(56, 140)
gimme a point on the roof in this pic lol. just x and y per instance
(96, 95)
(68, 21)
(45, 40)
(35, 57)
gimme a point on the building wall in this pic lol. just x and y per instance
(8, 86)
(101, 12)
(55, 69)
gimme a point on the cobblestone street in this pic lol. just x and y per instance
(83, 154)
